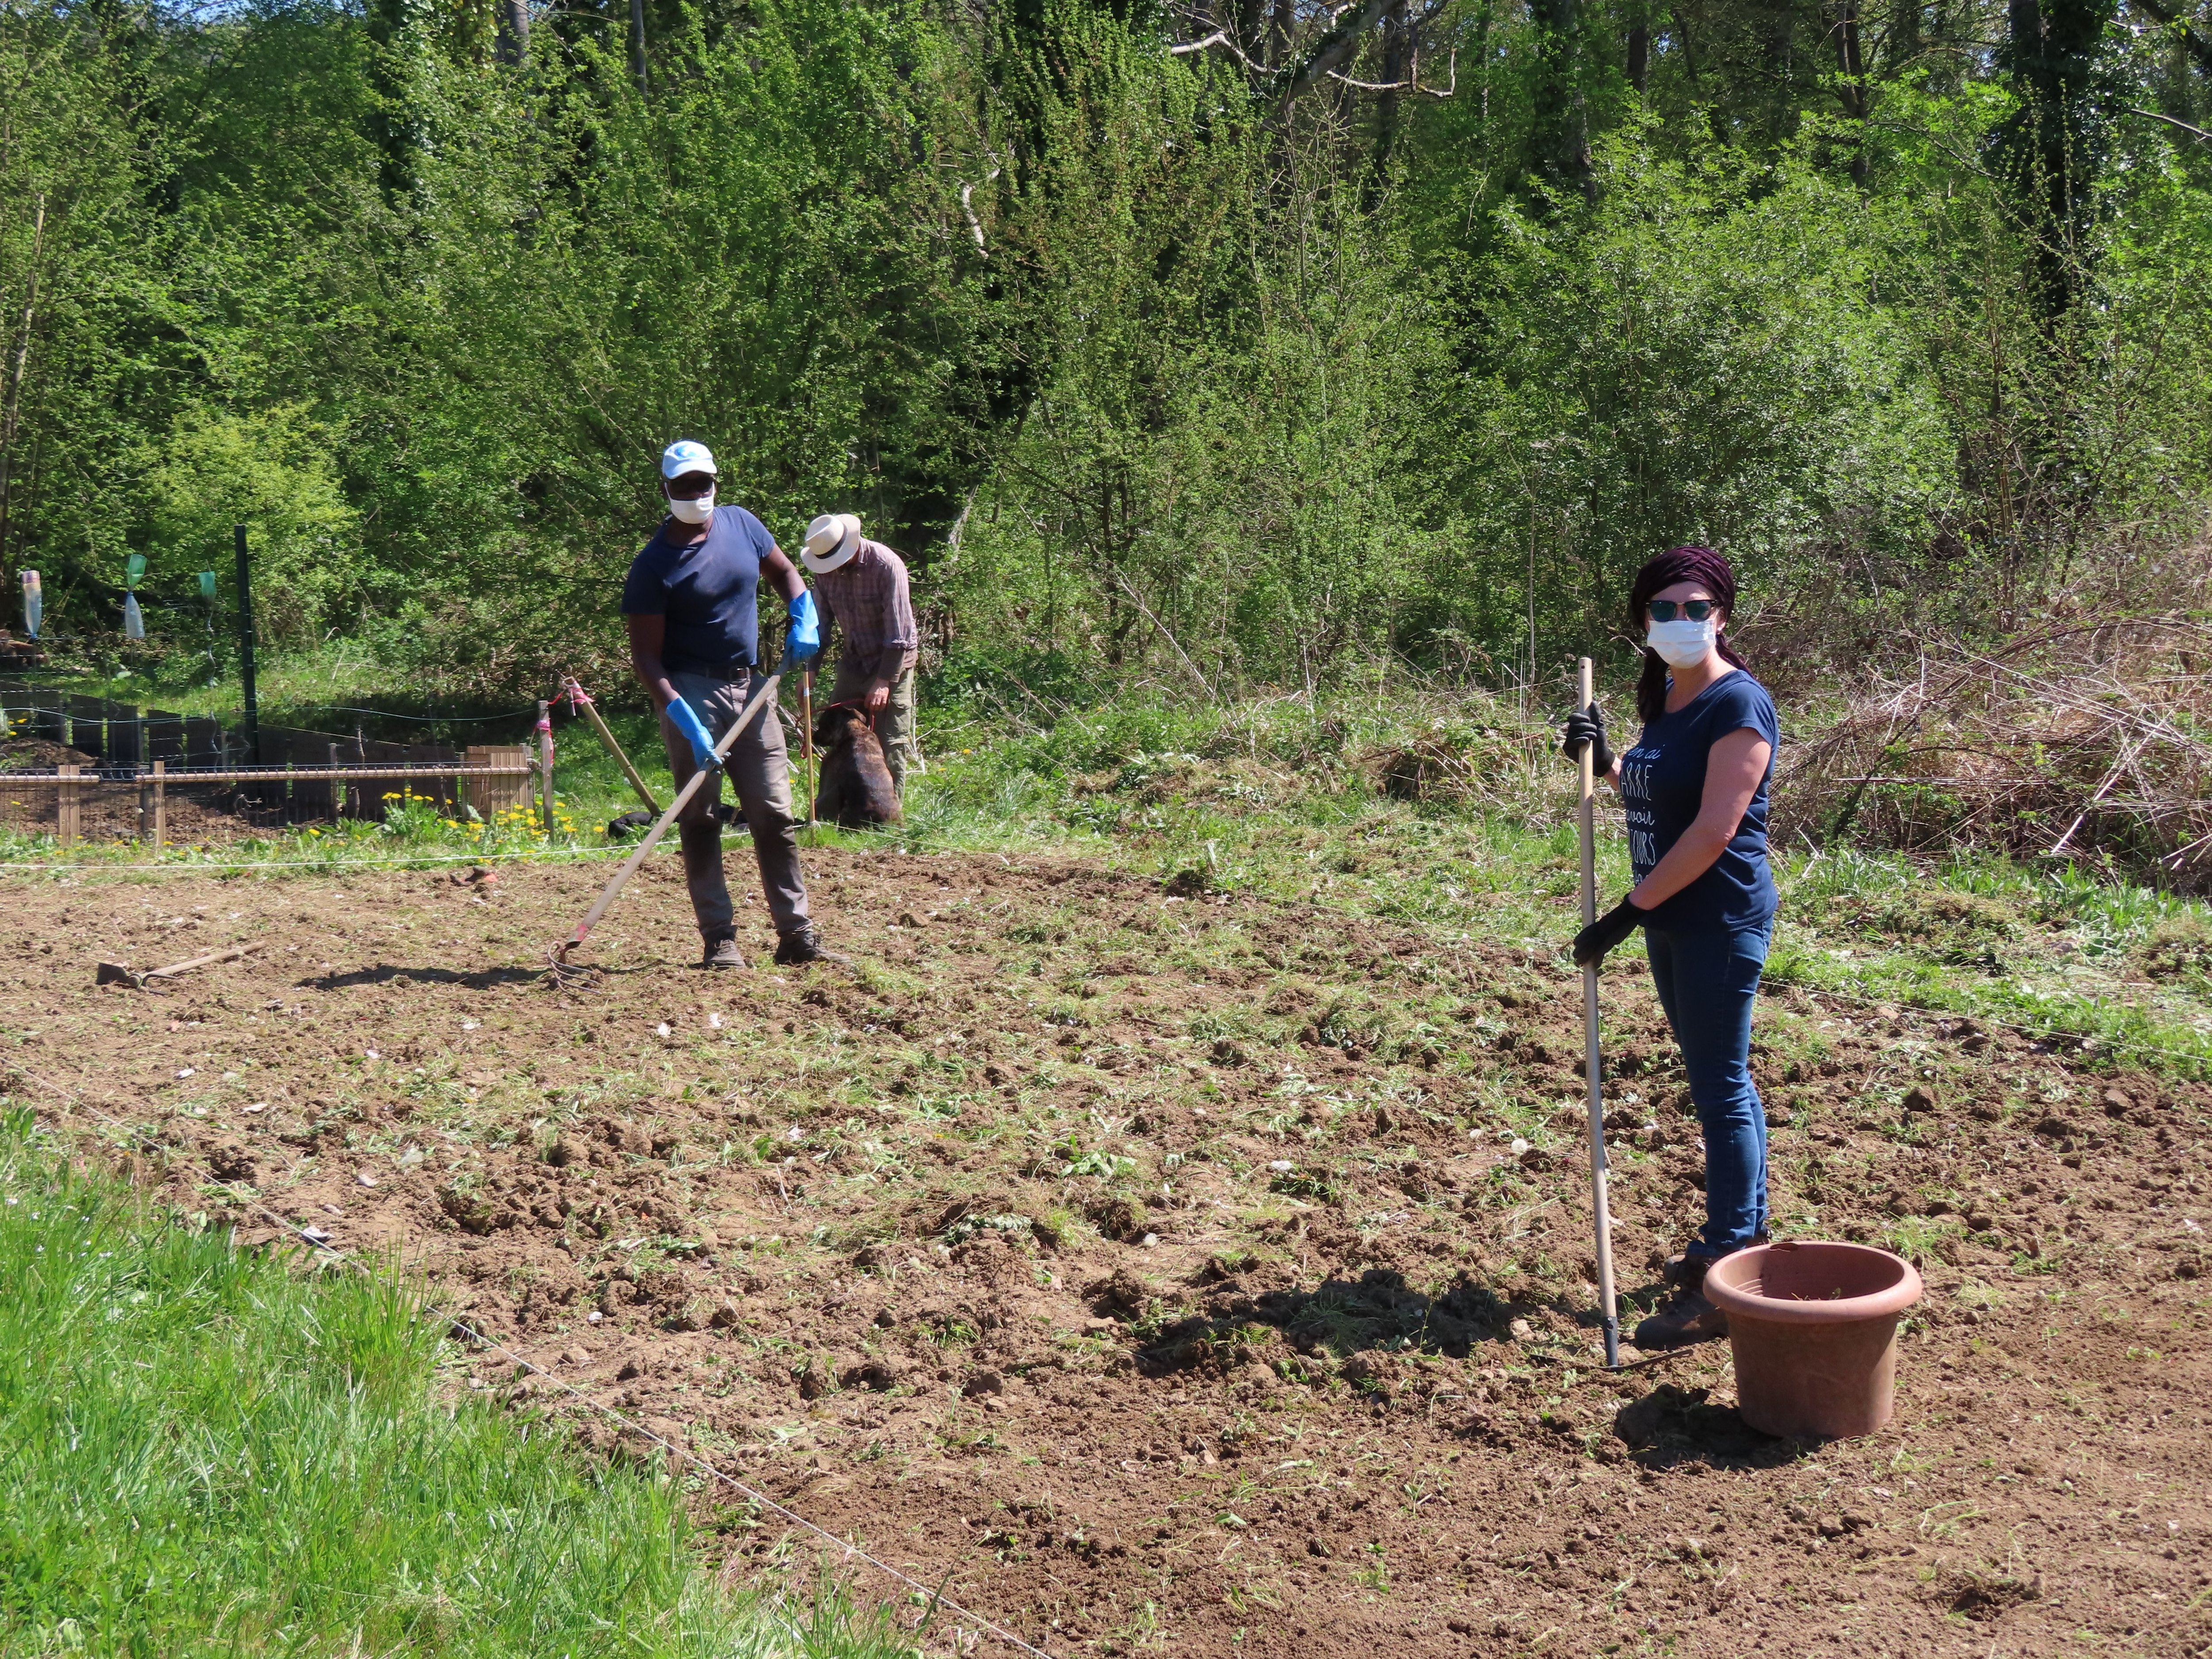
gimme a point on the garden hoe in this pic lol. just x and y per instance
(1593, 1057)
(762, 698)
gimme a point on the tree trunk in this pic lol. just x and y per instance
(13, 372)
(514, 31)
(1851, 89)
(1397, 52)
(637, 47)
(1904, 35)
(1561, 135)
(2052, 149)
(1689, 54)
(392, 121)
(1251, 20)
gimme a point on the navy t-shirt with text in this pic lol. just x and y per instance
(1662, 784)
(708, 591)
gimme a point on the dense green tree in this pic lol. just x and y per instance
(1237, 344)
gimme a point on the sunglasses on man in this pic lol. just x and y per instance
(1689, 610)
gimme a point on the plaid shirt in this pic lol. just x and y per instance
(866, 599)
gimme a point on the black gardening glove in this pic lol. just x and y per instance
(1607, 931)
(1588, 726)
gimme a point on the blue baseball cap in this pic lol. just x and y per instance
(685, 456)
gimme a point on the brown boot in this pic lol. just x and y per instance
(723, 953)
(1685, 1316)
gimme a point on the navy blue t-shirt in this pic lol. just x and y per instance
(1662, 784)
(710, 591)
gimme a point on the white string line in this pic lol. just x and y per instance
(936, 1598)
(327, 866)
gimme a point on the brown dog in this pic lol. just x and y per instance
(856, 788)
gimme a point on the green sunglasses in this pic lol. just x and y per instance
(1668, 610)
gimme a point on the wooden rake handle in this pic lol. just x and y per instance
(582, 698)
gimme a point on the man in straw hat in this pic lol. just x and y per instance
(864, 587)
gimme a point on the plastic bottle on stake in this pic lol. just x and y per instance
(134, 621)
(34, 604)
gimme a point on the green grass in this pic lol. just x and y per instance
(207, 1450)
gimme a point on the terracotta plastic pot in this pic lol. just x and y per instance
(1814, 1330)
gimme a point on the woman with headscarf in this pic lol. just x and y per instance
(1695, 788)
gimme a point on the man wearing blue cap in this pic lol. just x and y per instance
(691, 602)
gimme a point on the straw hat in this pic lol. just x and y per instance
(831, 540)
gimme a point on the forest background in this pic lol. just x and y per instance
(1241, 348)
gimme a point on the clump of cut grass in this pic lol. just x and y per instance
(207, 1450)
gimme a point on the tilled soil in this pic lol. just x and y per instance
(1165, 1272)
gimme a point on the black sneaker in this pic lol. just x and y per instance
(723, 953)
(796, 950)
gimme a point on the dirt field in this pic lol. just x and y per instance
(1162, 1272)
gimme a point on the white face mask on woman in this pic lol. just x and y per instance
(693, 512)
(1683, 642)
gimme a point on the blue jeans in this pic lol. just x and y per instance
(1707, 981)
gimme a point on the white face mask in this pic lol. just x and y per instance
(696, 512)
(1681, 643)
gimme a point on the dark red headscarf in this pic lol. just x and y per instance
(1677, 564)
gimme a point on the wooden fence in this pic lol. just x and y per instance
(137, 762)
(136, 806)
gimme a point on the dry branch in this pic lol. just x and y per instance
(2085, 740)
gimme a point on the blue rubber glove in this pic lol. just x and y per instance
(685, 718)
(805, 637)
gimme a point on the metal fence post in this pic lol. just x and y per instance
(246, 651)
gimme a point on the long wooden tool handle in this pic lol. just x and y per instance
(806, 737)
(761, 700)
(591, 713)
(208, 961)
(1593, 1054)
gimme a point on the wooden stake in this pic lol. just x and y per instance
(582, 700)
(1593, 1056)
(545, 766)
(65, 811)
(161, 803)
